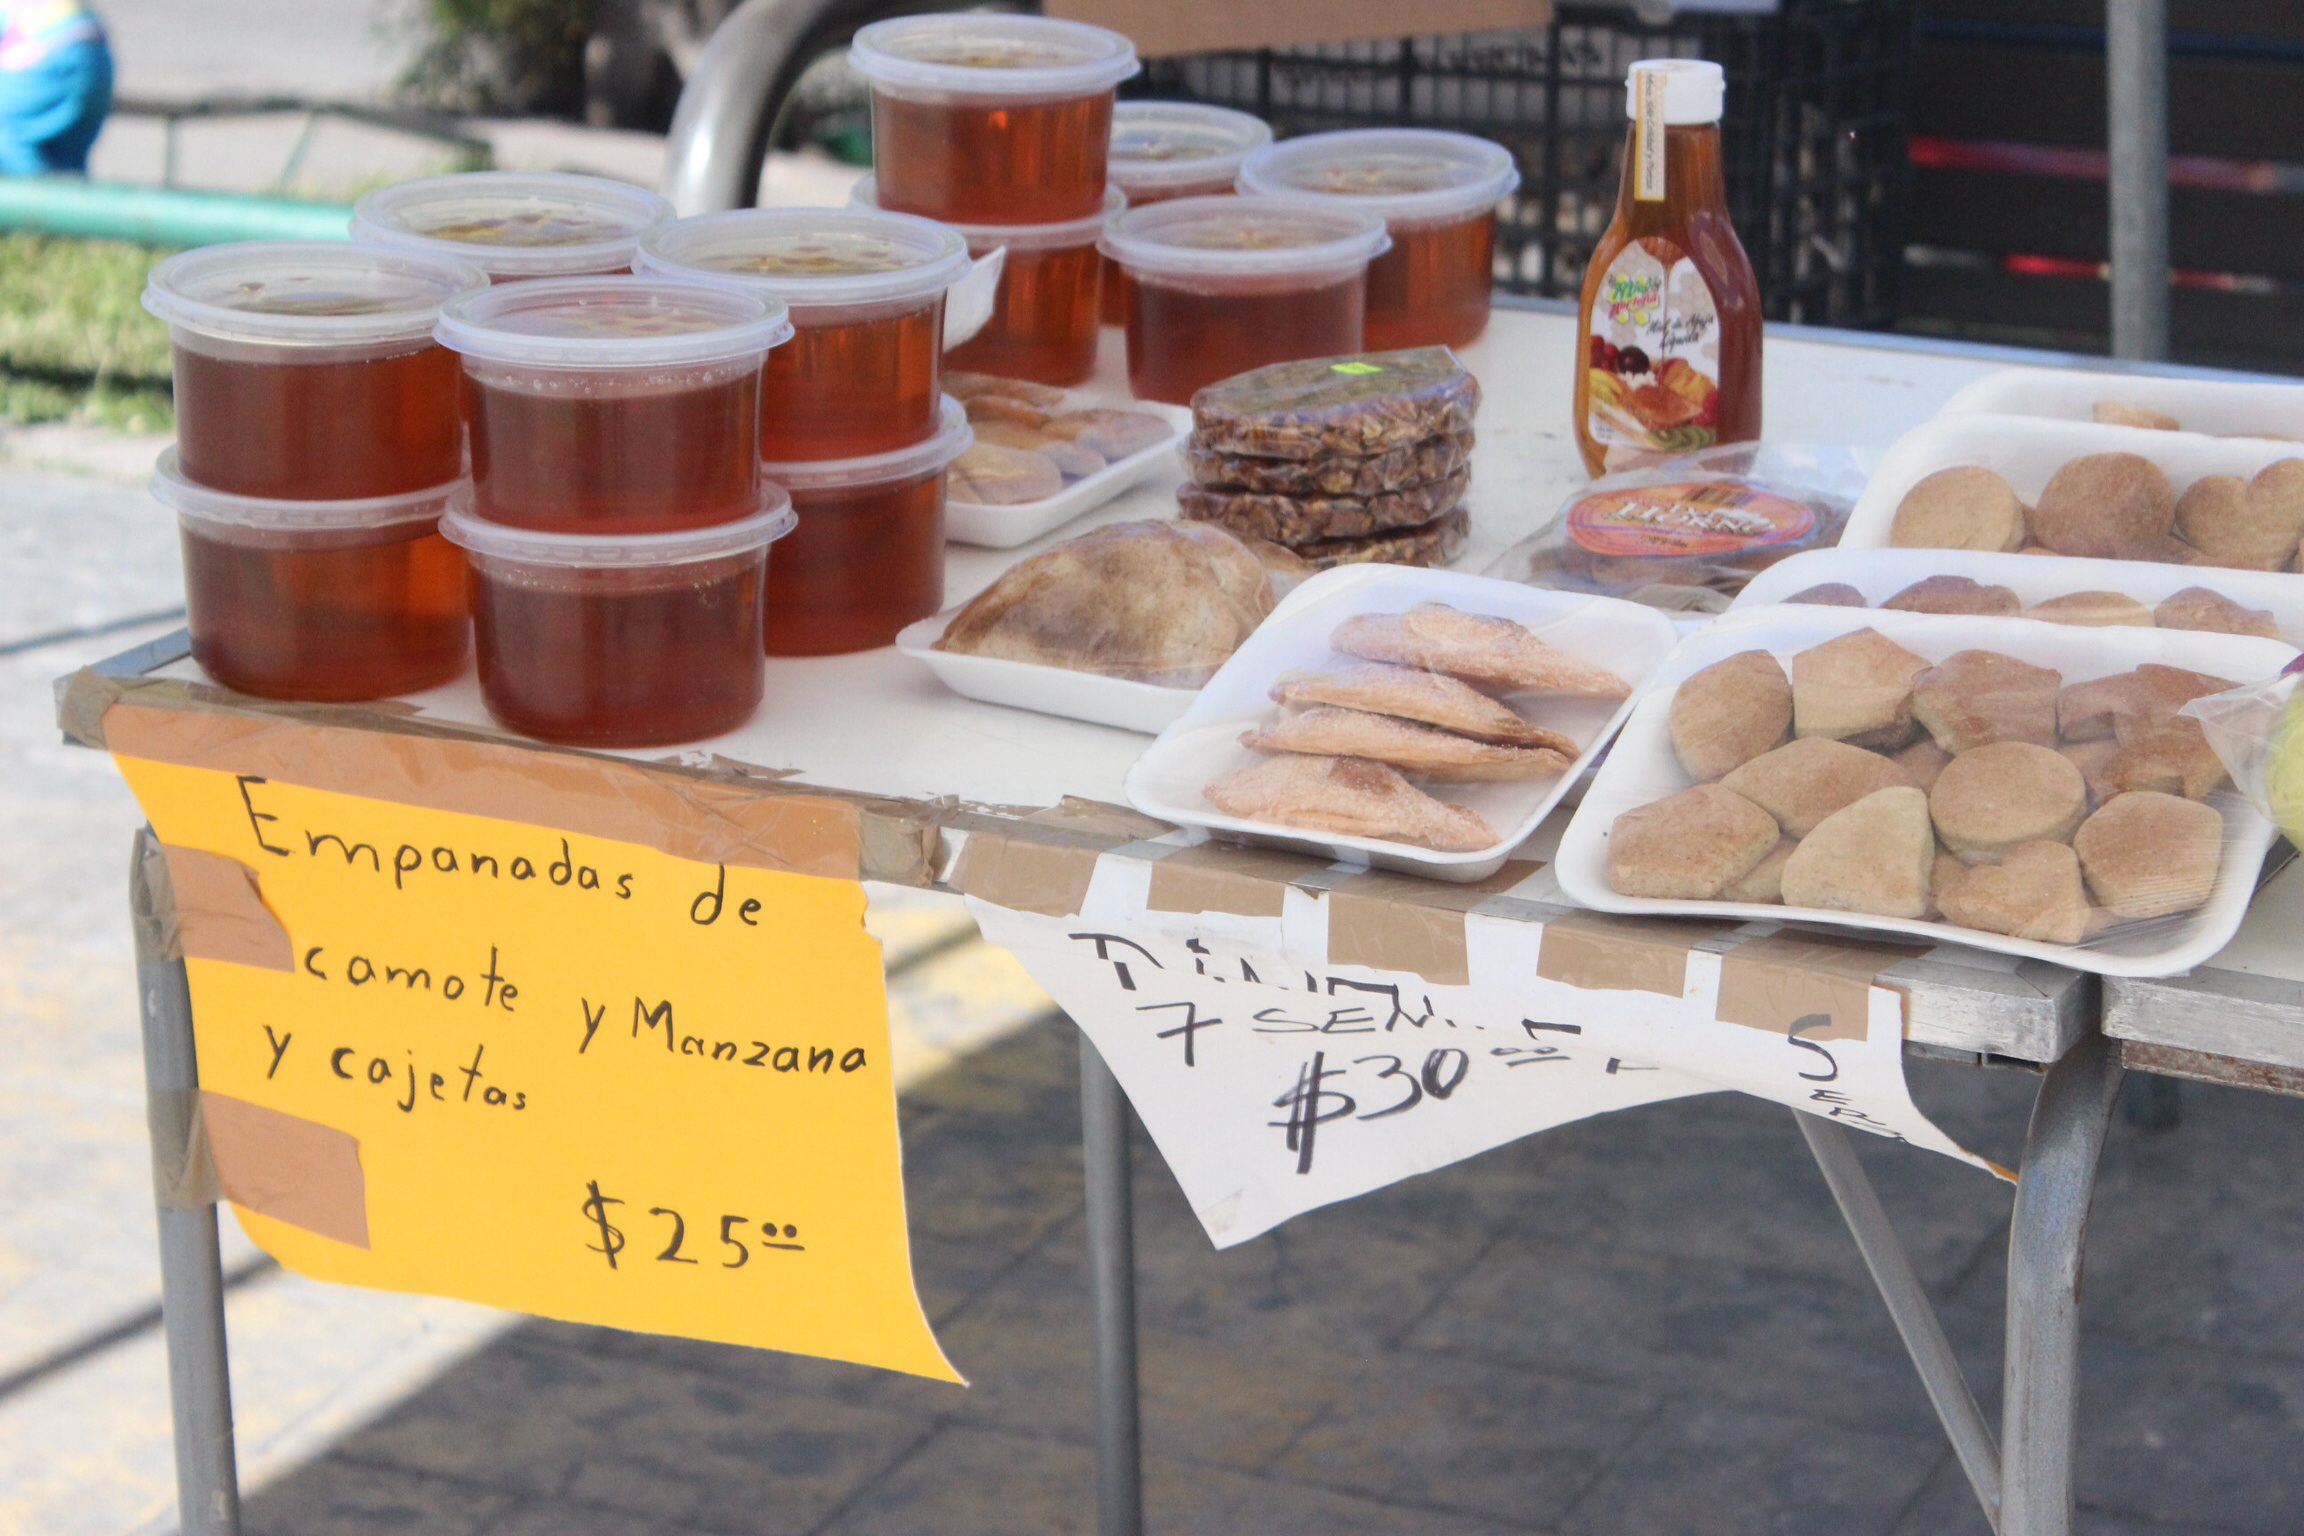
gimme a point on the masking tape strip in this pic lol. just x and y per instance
(1163, 27)
(1047, 873)
(183, 1173)
(1226, 877)
(1786, 978)
(1389, 922)
(286, 1167)
(1610, 952)
(220, 912)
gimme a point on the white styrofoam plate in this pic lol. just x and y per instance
(1005, 527)
(1627, 638)
(2026, 450)
(2218, 407)
(1088, 696)
(1642, 768)
(1882, 573)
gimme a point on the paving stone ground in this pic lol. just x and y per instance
(1650, 1324)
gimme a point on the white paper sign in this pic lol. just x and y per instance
(1275, 1082)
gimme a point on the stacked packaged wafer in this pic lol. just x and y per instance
(1341, 459)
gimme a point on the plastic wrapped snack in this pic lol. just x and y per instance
(1686, 533)
(2257, 733)
(1319, 407)
(1435, 458)
(1434, 543)
(1298, 520)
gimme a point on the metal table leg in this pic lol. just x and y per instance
(2040, 1384)
(1112, 1279)
(191, 1268)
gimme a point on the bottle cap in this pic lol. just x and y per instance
(1694, 90)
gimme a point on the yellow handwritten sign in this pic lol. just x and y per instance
(582, 1078)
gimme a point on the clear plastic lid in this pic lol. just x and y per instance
(1409, 175)
(1017, 237)
(612, 322)
(812, 257)
(1157, 145)
(989, 55)
(514, 223)
(172, 490)
(951, 440)
(306, 292)
(1243, 237)
(602, 551)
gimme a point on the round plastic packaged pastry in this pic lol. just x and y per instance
(1215, 286)
(991, 117)
(1043, 325)
(318, 601)
(514, 224)
(613, 404)
(620, 640)
(1438, 192)
(868, 558)
(866, 293)
(307, 370)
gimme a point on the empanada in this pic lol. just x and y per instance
(1328, 731)
(1410, 693)
(1493, 652)
(1348, 795)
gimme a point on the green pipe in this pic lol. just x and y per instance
(107, 210)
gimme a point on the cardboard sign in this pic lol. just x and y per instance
(1163, 27)
(553, 1072)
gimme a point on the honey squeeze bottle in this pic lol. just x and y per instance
(1668, 333)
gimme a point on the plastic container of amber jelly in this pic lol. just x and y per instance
(613, 404)
(1438, 193)
(988, 119)
(862, 373)
(868, 556)
(306, 371)
(320, 601)
(1214, 286)
(1043, 324)
(514, 225)
(1170, 149)
(619, 640)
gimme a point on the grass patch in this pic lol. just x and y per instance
(75, 342)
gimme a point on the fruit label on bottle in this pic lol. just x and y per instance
(1654, 364)
(1700, 517)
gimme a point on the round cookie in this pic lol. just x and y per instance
(1730, 713)
(1966, 507)
(1991, 798)
(2106, 506)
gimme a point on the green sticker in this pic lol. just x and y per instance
(1355, 368)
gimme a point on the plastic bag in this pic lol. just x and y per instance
(1686, 533)
(2258, 734)
(1327, 406)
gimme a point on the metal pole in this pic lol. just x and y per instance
(1908, 1305)
(1112, 1280)
(2041, 1382)
(191, 1267)
(2136, 93)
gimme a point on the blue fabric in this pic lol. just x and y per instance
(50, 114)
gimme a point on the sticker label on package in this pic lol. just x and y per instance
(1700, 517)
(1653, 372)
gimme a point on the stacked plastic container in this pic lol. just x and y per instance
(1001, 126)
(318, 444)
(853, 421)
(1162, 150)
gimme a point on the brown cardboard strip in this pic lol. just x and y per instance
(1047, 873)
(1786, 978)
(1392, 922)
(1227, 877)
(1161, 27)
(1610, 952)
(750, 823)
(288, 1168)
(220, 912)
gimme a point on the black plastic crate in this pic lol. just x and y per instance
(1814, 132)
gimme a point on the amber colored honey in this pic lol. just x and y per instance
(854, 387)
(337, 430)
(326, 617)
(1180, 339)
(620, 657)
(864, 562)
(1114, 309)
(978, 161)
(602, 454)
(1431, 289)
(1043, 324)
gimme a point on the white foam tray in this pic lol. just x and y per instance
(1006, 527)
(1088, 696)
(2025, 451)
(2218, 407)
(1642, 769)
(1627, 638)
(1882, 573)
